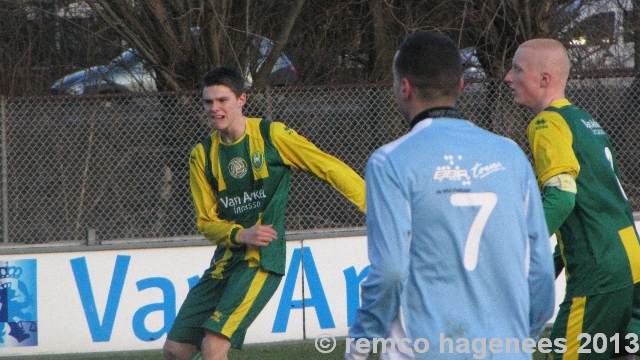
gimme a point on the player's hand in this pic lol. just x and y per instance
(257, 235)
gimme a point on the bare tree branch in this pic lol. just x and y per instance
(263, 74)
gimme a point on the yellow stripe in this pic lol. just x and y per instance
(241, 311)
(215, 161)
(217, 272)
(574, 327)
(252, 256)
(256, 147)
(630, 242)
(564, 260)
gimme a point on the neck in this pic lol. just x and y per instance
(232, 134)
(413, 108)
(547, 101)
(434, 112)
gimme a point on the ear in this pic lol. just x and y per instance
(407, 88)
(545, 79)
(242, 99)
(460, 85)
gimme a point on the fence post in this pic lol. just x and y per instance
(3, 148)
(91, 238)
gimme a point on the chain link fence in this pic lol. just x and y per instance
(118, 164)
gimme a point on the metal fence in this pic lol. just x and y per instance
(119, 164)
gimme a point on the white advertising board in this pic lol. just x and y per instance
(117, 300)
(124, 300)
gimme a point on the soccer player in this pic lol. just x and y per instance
(584, 203)
(240, 178)
(458, 244)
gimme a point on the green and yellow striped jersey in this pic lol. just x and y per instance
(246, 183)
(598, 241)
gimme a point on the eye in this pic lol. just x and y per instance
(207, 101)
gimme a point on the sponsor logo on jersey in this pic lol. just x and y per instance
(480, 170)
(457, 173)
(452, 172)
(593, 126)
(244, 202)
(257, 160)
(237, 167)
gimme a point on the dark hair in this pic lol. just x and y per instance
(431, 62)
(224, 76)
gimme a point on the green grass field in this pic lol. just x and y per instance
(274, 351)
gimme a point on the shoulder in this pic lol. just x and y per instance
(253, 124)
(199, 147)
(548, 121)
(197, 153)
(548, 116)
(391, 147)
(280, 130)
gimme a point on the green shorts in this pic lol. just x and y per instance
(593, 325)
(632, 340)
(226, 300)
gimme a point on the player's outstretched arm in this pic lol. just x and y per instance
(302, 154)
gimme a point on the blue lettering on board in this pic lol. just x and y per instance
(318, 300)
(353, 290)
(168, 307)
(100, 332)
(193, 281)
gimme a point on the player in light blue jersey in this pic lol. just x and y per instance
(458, 244)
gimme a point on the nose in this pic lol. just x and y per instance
(211, 107)
(508, 78)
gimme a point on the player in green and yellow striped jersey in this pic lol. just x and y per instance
(584, 203)
(240, 176)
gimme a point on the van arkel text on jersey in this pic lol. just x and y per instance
(240, 204)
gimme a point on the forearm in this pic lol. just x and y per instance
(342, 178)
(298, 152)
(557, 204)
(220, 232)
(558, 263)
(559, 200)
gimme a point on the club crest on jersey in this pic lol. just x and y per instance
(237, 167)
(257, 160)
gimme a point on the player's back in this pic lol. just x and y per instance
(596, 258)
(468, 194)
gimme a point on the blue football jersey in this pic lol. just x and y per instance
(458, 244)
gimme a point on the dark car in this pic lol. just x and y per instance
(129, 73)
